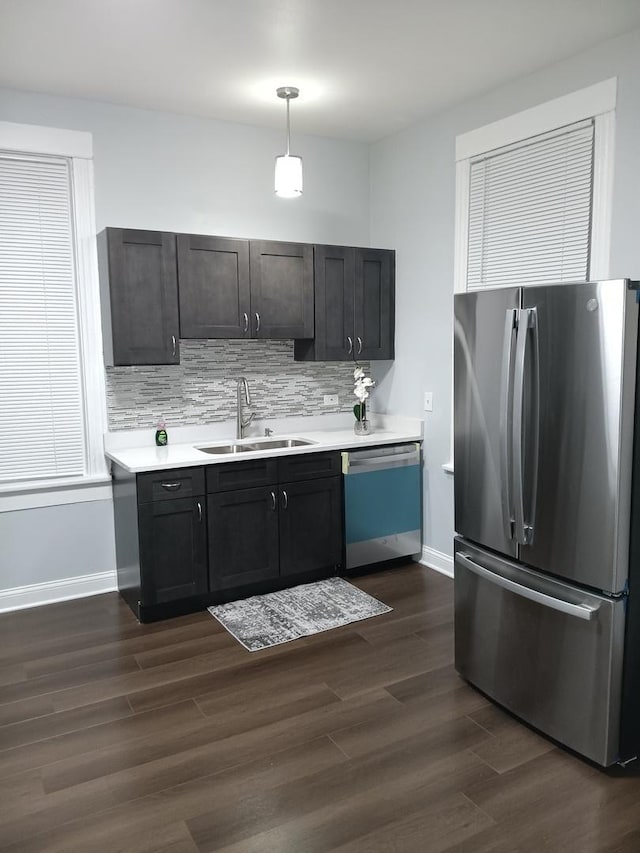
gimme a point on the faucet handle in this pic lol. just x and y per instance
(268, 431)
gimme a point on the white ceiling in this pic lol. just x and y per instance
(365, 68)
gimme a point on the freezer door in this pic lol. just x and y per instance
(577, 430)
(549, 652)
(484, 349)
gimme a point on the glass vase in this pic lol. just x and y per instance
(362, 427)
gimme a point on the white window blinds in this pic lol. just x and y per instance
(530, 210)
(42, 428)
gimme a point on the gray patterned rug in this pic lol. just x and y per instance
(278, 617)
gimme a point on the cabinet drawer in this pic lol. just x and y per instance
(241, 475)
(308, 466)
(174, 483)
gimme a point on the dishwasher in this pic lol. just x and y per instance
(382, 503)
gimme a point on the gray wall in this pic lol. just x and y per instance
(170, 172)
(178, 173)
(412, 209)
(56, 542)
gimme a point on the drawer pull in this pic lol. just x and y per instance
(581, 611)
(273, 501)
(171, 487)
(286, 499)
(199, 505)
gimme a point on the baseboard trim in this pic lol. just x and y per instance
(442, 563)
(21, 597)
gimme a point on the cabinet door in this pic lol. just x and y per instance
(214, 287)
(173, 549)
(334, 268)
(281, 289)
(310, 525)
(143, 288)
(374, 304)
(243, 537)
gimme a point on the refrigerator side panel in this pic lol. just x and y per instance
(630, 719)
(549, 652)
(481, 342)
(586, 343)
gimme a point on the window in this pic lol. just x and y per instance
(51, 385)
(534, 194)
(530, 210)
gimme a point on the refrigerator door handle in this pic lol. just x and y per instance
(527, 319)
(533, 325)
(580, 611)
(517, 424)
(506, 413)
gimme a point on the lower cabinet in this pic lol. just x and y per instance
(173, 550)
(280, 529)
(189, 537)
(243, 537)
(310, 525)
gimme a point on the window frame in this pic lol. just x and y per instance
(597, 102)
(77, 148)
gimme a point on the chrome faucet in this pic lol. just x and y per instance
(240, 424)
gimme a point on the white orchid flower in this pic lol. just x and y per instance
(361, 393)
(360, 385)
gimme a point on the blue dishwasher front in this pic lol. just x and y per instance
(383, 503)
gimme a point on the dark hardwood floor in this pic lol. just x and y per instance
(116, 736)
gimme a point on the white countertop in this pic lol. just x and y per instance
(141, 454)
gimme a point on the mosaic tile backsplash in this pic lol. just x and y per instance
(202, 388)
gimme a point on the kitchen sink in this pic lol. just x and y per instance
(275, 443)
(253, 446)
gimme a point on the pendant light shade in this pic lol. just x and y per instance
(288, 177)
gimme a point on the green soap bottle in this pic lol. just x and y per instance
(161, 435)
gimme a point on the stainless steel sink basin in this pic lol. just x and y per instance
(275, 443)
(253, 446)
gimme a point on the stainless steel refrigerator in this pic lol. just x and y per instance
(547, 509)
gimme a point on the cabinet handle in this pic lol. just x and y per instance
(246, 322)
(286, 499)
(359, 345)
(257, 322)
(273, 501)
(171, 487)
(173, 346)
(350, 345)
(199, 505)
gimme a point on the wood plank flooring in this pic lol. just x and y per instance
(116, 736)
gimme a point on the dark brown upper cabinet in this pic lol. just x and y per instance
(281, 289)
(244, 288)
(354, 305)
(374, 304)
(139, 296)
(215, 294)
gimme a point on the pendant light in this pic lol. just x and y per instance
(288, 179)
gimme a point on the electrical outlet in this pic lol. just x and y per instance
(331, 399)
(428, 401)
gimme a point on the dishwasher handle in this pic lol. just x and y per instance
(372, 463)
